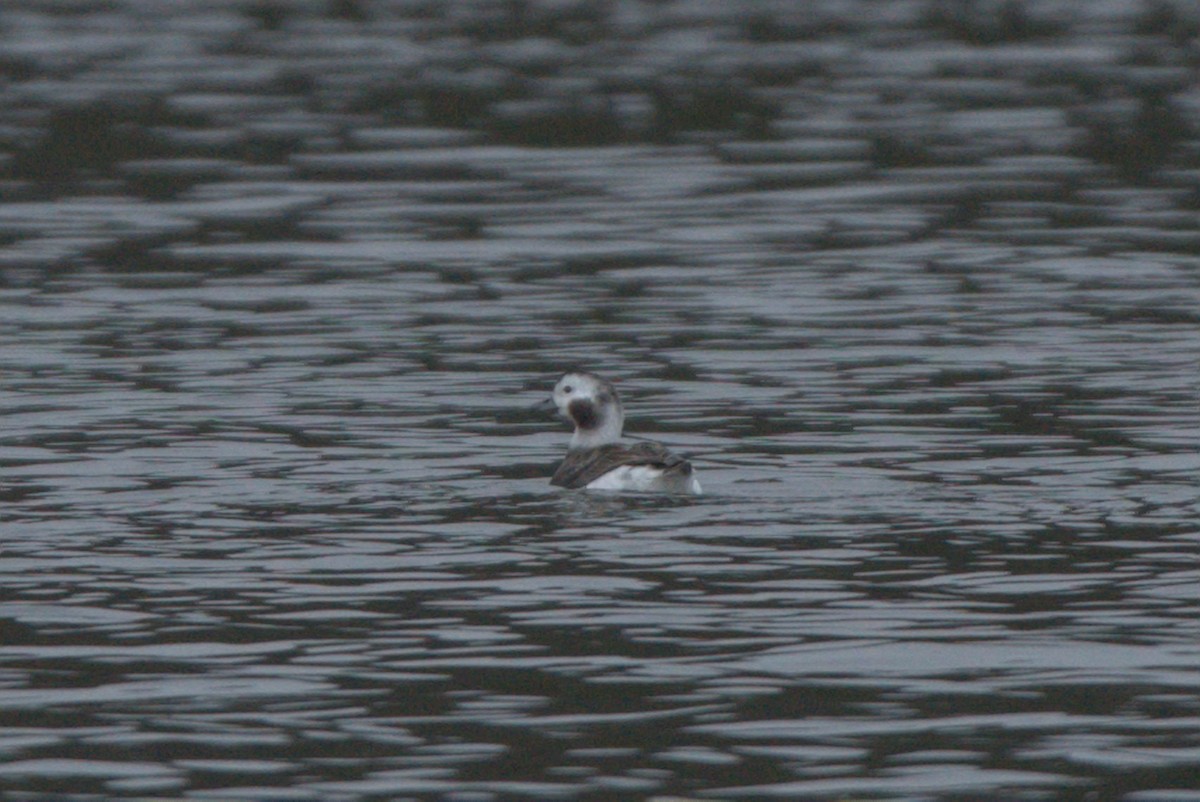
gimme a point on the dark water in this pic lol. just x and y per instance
(916, 284)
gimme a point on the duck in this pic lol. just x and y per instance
(597, 459)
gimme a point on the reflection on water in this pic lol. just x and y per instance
(915, 285)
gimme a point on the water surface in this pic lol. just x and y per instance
(914, 285)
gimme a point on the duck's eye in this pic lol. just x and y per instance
(568, 389)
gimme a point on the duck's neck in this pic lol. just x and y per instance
(609, 431)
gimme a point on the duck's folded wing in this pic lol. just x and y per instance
(580, 468)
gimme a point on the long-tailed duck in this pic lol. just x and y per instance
(596, 459)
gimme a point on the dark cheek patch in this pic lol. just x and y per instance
(584, 414)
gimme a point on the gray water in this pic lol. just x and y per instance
(915, 285)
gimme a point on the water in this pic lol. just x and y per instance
(916, 290)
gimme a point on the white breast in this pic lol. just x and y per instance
(644, 479)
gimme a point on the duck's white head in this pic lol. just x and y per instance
(592, 405)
